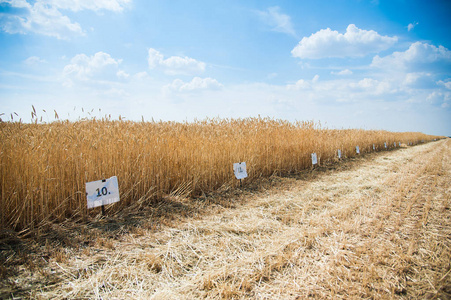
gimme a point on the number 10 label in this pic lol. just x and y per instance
(102, 192)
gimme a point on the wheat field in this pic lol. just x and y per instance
(377, 226)
(44, 166)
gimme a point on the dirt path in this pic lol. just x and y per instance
(377, 227)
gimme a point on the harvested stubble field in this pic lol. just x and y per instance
(375, 227)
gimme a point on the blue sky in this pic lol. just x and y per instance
(348, 64)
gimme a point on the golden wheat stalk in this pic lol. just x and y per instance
(44, 167)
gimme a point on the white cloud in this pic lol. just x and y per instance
(419, 57)
(278, 21)
(372, 85)
(141, 75)
(32, 60)
(196, 84)
(40, 19)
(299, 85)
(446, 84)
(411, 26)
(175, 64)
(83, 67)
(354, 43)
(411, 78)
(45, 16)
(16, 3)
(419, 80)
(122, 74)
(155, 58)
(96, 5)
(439, 98)
(365, 83)
(315, 78)
(303, 84)
(342, 72)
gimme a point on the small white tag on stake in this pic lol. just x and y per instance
(394, 144)
(385, 145)
(339, 153)
(357, 150)
(102, 192)
(374, 147)
(399, 144)
(314, 159)
(240, 170)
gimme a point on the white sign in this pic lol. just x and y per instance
(357, 150)
(394, 144)
(374, 147)
(385, 145)
(102, 192)
(339, 153)
(314, 159)
(240, 170)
